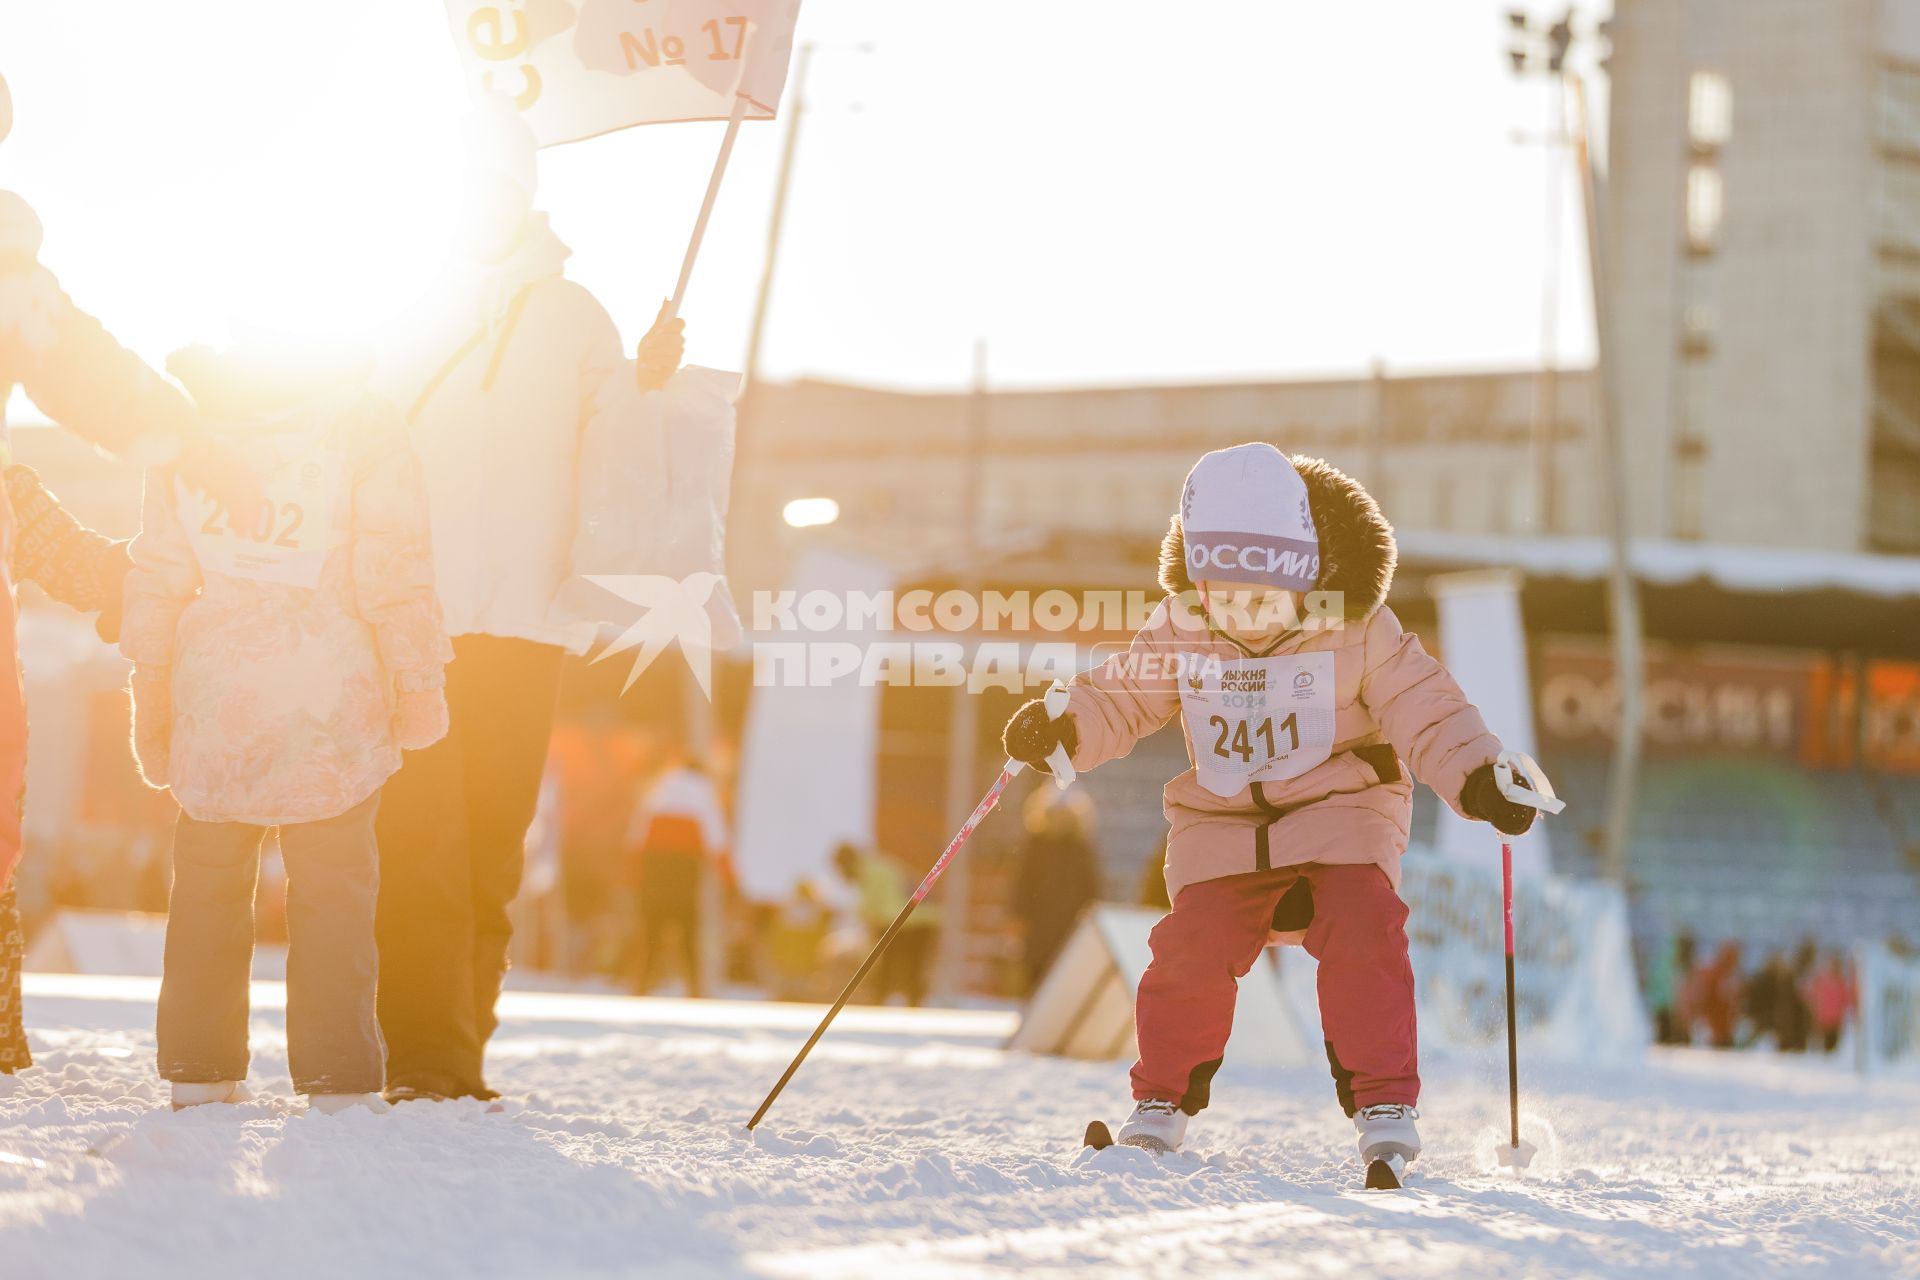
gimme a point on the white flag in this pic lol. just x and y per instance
(577, 68)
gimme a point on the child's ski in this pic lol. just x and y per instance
(1099, 1138)
(1384, 1174)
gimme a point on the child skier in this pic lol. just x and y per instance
(1299, 696)
(280, 668)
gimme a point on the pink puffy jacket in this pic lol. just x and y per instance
(1391, 703)
(279, 670)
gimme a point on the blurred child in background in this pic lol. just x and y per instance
(679, 836)
(882, 891)
(1831, 996)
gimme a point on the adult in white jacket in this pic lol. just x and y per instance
(499, 379)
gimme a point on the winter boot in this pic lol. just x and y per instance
(1155, 1125)
(196, 1095)
(1387, 1137)
(332, 1104)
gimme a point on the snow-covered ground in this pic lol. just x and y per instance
(912, 1145)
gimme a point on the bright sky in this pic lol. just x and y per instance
(1102, 190)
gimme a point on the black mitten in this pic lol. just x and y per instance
(1481, 799)
(1032, 734)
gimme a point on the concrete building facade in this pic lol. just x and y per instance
(913, 473)
(1763, 212)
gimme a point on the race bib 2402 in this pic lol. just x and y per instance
(288, 542)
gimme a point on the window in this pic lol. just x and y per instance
(1706, 206)
(1899, 205)
(1709, 110)
(1899, 109)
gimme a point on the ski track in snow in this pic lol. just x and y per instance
(911, 1145)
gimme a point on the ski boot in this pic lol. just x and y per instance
(1388, 1142)
(1155, 1125)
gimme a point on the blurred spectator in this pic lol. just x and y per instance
(598, 762)
(1792, 1022)
(680, 834)
(1713, 995)
(1059, 875)
(1831, 994)
(882, 892)
(792, 933)
(1666, 984)
(1762, 996)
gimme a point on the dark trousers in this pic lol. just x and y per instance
(13, 951)
(333, 1040)
(453, 829)
(669, 912)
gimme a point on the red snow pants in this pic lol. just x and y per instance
(1212, 937)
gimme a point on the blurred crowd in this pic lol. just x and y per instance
(631, 882)
(1795, 1003)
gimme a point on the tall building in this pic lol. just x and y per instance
(1764, 240)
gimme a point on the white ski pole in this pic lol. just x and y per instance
(1063, 774)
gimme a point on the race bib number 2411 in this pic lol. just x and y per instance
(1258, 719)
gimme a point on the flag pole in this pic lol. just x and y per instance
(740, 103)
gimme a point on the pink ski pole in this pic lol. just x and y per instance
(1056, 703)
(1533, 790)
(1513, 1035)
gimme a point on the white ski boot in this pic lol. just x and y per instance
(1388, 1142)
(199, 1095)
(1156, 1126)
(332, 1104)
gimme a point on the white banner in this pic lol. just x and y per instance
(1577, 996)
(1889, 1030)
(578, 70)
(808, 764)
(1484, 645)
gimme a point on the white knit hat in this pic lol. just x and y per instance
(1245, 518)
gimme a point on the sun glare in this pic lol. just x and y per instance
(341, 224)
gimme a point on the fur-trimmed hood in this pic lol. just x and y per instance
(1357, 551)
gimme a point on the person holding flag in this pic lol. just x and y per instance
(500, 374)
(508, 373)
